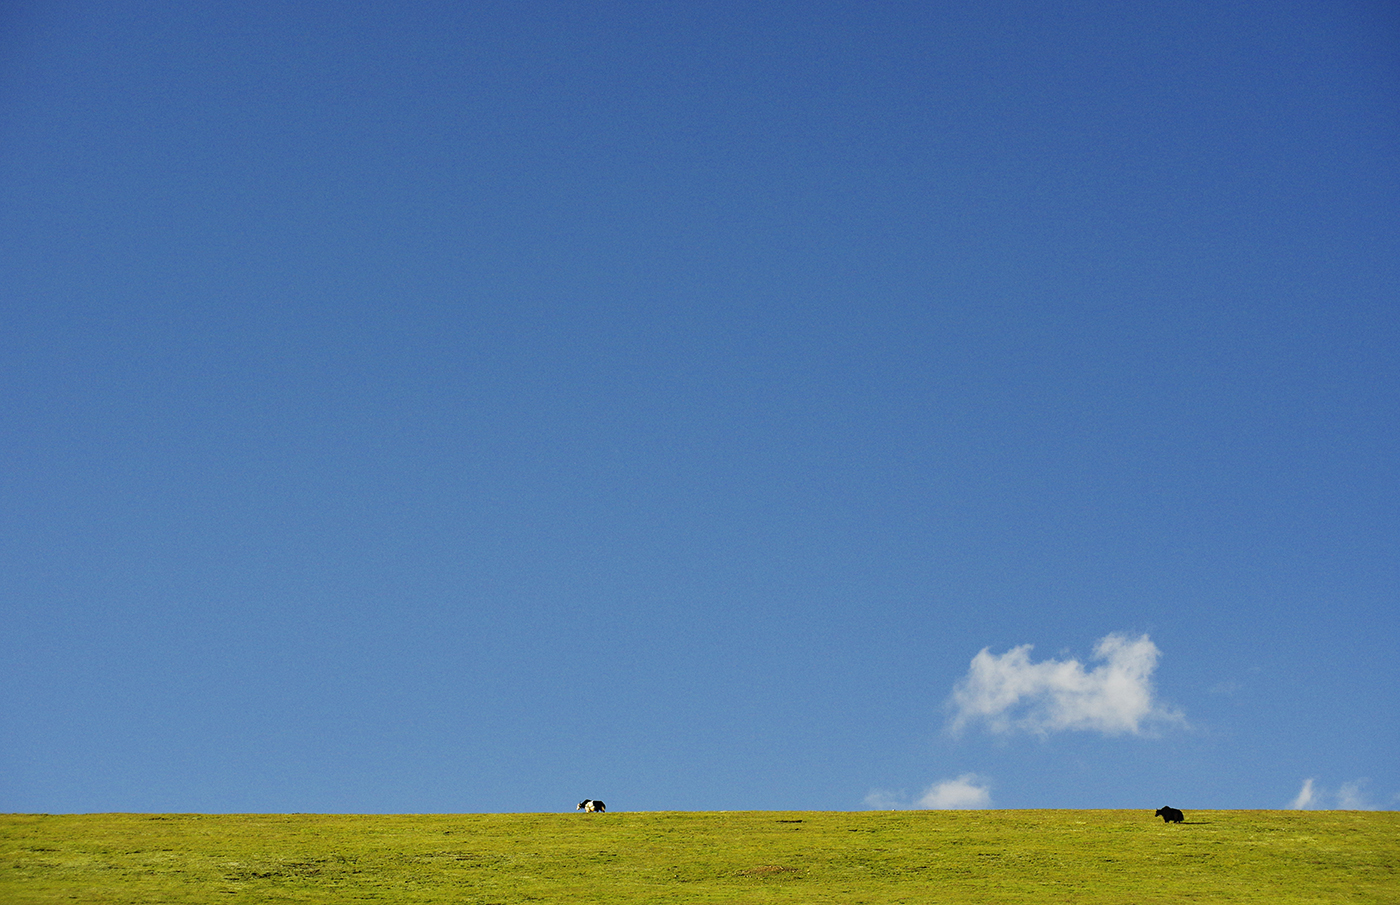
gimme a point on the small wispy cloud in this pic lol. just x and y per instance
(1305, 797)
(1010, 693)
(1350, 796)
(966, 792)
(884, 800)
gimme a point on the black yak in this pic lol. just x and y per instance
(590, 806)
(1169, 815)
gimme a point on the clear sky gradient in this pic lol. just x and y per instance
(482, 406)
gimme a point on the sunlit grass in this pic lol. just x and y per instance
(743, 857)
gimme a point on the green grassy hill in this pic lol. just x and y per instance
(1273, 857)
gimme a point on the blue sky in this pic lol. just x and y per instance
(448, 407)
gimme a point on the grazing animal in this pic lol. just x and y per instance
(590, 806)
(1169, 815)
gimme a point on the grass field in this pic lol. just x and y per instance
(1276, 857)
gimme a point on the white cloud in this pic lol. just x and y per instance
(1350, 797)
(965, 792)
(1305, 796)
(1009, 693)
(882, 800)
(968, 791)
